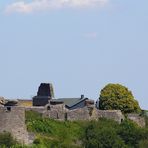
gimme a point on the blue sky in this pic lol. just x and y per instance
(79, 46)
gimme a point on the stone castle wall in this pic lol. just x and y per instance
(59, 112)
(12, 119)
(137, 119)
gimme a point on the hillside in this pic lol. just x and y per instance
(94, 134)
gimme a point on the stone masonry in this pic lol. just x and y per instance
(137, 119)
(12, 119)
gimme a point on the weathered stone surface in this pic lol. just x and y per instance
(93, 114)
(137, 119)
(111, 114)
(59, 112)
(12, 119)
(56, 111)
(78, 114)
(2, 101)
(11, 103)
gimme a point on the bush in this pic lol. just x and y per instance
(143, 144)
(102, 134)
(118, 97)
(6, 140)
(131, 133)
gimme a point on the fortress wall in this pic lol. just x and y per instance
(12, 119)
(56, 111)
(111, 114)
(78, 114)
(59, 112)
(94, 114)
(137, 119)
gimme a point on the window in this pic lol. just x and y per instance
(8, 109)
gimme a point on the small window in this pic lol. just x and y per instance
(57, 116)
(48, 108)
(66, 116)
(8, 109)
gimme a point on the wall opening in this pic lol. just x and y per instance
(57, 116)
(48, 108)
(8, 109)
(65, 116)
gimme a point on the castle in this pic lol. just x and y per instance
(12, 113)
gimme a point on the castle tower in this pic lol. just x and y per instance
(44, 94)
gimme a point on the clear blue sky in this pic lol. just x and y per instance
(79, 46)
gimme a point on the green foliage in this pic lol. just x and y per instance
(51, 133)
(109, 134)
(6, 140)
(104, 133)
(118, 97)
(131, 133)
(143, 144)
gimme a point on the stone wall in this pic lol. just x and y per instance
(91, 113)
(78, 114)
(111, 114)
(12, 119)
(137, 119)
(55, 111)
(59, 112)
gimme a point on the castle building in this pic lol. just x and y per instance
(73, 103)
(45, 95)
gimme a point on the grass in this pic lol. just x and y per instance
(54, 133)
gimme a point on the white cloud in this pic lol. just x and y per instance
(40, 5)
(90, 35)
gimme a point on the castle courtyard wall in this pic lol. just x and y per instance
(12, 119)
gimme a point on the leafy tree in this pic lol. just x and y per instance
(102, 134)
(118, 97)
(132, 134)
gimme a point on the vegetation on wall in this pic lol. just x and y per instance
(90, 134)
(6, 140)
(103, 133)
(118, 97)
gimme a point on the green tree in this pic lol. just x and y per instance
(118, 97)
(132, 134)
(102, 134)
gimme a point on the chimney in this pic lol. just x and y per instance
(82, 96)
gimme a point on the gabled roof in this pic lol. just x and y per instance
(69, 102)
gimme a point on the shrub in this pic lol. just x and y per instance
(118, 97)
(6, 140)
